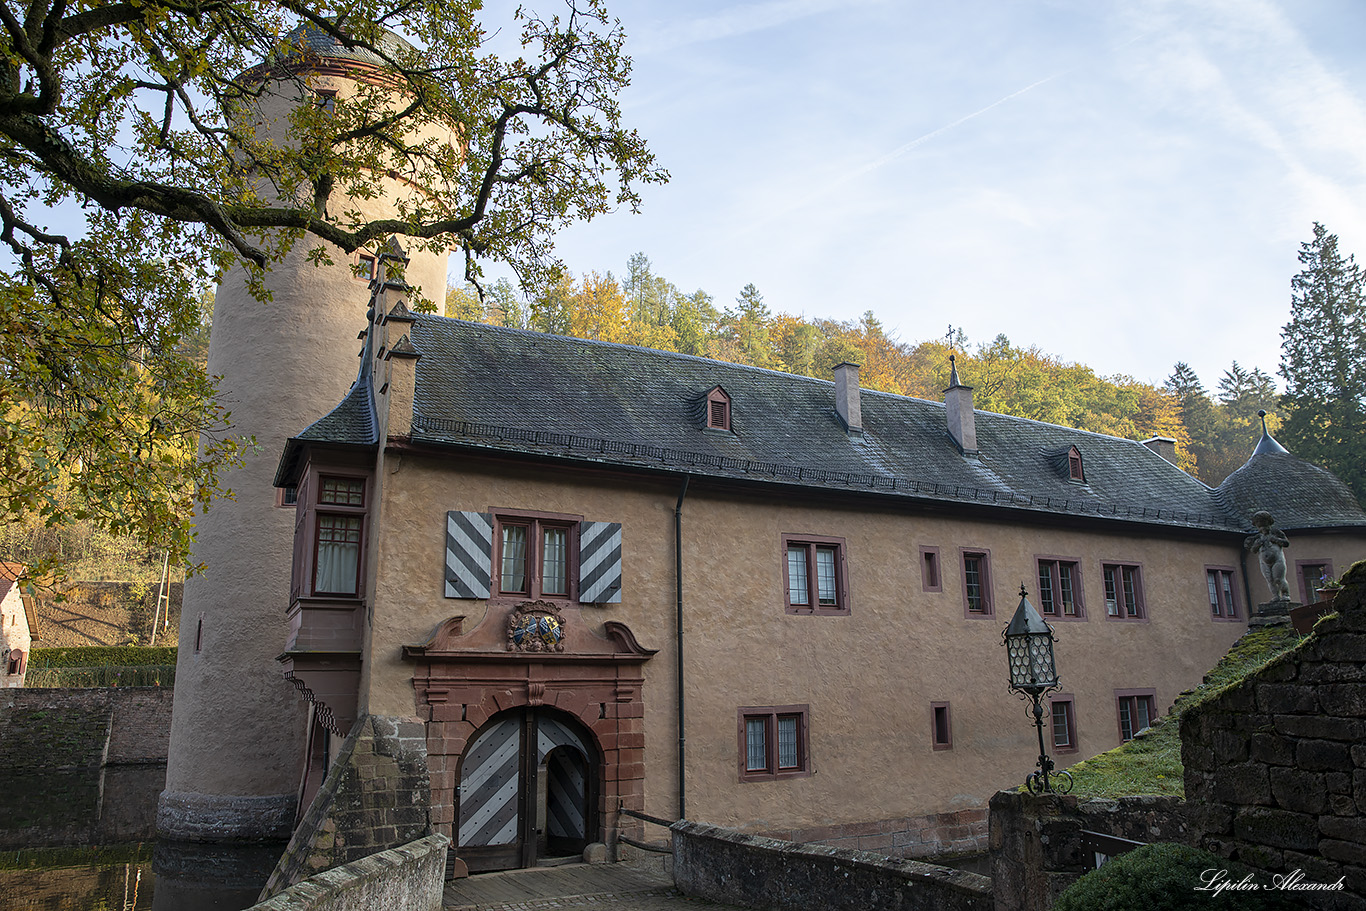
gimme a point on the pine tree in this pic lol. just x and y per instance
(747, 328)
(1323, 360)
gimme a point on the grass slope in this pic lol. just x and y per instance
(1151, 762)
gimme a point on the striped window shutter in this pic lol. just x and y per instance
(600, 562)
(469, 554)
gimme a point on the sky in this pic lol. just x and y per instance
(1122, 184)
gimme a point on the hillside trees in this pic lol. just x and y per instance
(1323, 361)
(128, 118)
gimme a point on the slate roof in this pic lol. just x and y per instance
(513, 391)
(1299, 495)
(307, 41)
(527, 392)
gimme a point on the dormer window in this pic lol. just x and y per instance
(1074, 465)
(718, 409)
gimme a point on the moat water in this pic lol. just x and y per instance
(85, 841)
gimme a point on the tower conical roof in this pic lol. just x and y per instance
(1297, 493)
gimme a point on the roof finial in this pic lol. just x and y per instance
(1267, 444)
(953, 373)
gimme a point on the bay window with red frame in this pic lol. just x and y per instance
(338, 534)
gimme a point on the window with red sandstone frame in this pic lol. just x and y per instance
(941, 726)
(1223, 599)
(1063, 716)
(816, 575)
(534, 556)
(1060, 588)
(1136, 712)
(976, 583)
(773, 742)
(1123, 591)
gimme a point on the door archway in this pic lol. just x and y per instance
(467, 683)
(528, 786)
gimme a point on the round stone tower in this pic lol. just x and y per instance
(238, 727)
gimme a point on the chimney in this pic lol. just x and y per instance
(958, 410)
(847, 397)
(1163, 446)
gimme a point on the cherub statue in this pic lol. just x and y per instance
(1269, 544)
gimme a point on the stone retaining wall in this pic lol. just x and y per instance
(407, 878)
(934, 835)
(82, 766)
(1276, 766)
(376, 796)
(1037, 846)
(726, 866)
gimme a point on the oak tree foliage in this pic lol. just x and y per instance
(130, 176)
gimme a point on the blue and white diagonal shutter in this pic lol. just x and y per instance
(469, 554)
(600, 562)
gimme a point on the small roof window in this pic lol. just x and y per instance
(718, 409)
(1074, 468)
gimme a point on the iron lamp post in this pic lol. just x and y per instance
(1033, 673)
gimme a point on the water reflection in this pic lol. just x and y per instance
(77, 879)
(82, 840)
(167, 876)
(198, 877)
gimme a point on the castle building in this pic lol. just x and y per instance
(605, 577)
(595, 577)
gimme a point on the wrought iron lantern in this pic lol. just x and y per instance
(1033, 672)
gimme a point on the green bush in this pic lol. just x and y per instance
(1166, 877)
(109, 675)
(116, 656)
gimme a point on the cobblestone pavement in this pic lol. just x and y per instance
(610, 887)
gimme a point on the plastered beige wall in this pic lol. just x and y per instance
(869, 678)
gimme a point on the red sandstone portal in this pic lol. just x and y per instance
(579, 682)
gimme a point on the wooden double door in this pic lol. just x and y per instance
(528, 790)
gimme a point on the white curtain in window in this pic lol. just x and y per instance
(1069, 606)
(338, 554)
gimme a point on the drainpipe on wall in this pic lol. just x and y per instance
(1247, 586)
(678, 589)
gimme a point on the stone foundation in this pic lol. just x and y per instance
(190, 816)
(377, 796)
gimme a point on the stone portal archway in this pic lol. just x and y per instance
(464, 680)
(528, 786)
